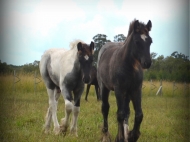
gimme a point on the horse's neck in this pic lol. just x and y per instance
(72, 56)
(77, 67)
(125, 51)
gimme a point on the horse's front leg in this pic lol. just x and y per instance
(76, 108)
(127, 114)
(120, 115)
(68, 109)
(135, 133)
(87, 91)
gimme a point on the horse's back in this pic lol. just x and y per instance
(110, 48)
(105, 64)
(51, 55)
(50, 64)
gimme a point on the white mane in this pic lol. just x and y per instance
(74, 43)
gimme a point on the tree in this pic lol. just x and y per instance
(175, 54)
(153, 55)
(173, 68)
(119, 38)
(99, 41)
(36, 63)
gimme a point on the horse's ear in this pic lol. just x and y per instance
(136, 26)
(92, 45)
(149, 25)
(79, 46)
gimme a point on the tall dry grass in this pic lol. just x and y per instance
(22, 112)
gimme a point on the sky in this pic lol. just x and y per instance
(30, 27)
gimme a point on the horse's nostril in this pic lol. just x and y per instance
(145, 64)
(86, 79)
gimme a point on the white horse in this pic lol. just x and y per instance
(66, 71)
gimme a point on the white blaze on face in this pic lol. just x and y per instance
(143, 36)
(86, 57)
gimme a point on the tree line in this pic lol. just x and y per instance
(175, 67)
(171, 68)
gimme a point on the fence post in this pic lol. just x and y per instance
(36, 82)
(160, 89)
(151, 84)
(161, 93)
(14, 79)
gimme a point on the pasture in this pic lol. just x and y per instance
(22, 113)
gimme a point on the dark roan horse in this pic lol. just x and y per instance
(93, 81)
(120, 68)
(66, 71)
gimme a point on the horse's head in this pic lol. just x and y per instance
(85, 56)
(142, 42)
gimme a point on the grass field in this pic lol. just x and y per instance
(22, 112)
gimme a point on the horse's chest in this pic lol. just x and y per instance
(124, 79)
(72, 80)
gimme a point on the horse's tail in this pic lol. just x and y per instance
(43, 63)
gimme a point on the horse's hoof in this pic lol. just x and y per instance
(106, 137)
(56, 130)
(73, 131)
(46, 130)
(133, 137)
(63, 126)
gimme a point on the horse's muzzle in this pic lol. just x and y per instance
(146, 65)
(86, 79)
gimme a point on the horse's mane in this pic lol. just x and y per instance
(130, 33)
(131, 27)
(74, 43)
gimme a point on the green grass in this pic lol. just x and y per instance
(22, 113)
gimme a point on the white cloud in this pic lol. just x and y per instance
(121, 30)
(148, 9)
(46, 16)
(92, 27)
(32, 27)
(106, 6)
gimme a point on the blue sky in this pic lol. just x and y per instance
(29, 27)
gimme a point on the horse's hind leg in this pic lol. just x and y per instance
(87, 91)
(105, 110)
(97, 92)
(135, 133)
(48, 119)
(52, 112)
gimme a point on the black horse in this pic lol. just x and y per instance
(120, 68)
(93, 81)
